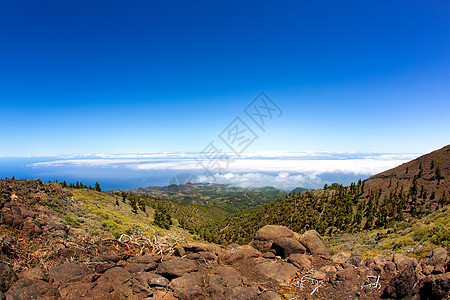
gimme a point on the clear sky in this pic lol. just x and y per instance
(150, 76)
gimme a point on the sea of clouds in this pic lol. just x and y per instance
(285, 170)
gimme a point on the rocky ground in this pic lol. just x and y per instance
(42, 259)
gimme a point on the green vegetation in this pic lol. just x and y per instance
(231, 199)
(72, 222)
(117, 220)
(336, 209)
(162, 217)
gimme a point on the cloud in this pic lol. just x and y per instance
(256, 179)
(284, 163)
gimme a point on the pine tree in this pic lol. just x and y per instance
(97, 187)
(163, 219)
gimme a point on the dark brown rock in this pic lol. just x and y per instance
(115, 276)
(31, 289)
(269, 295)
(68, 272)
(287, 246)
(145, 259)
(176, 267)
(76, 290)
(136, 268)
(7, 277)
(279, 271)
(202, 256)
(101, 267)
(356, 258)
(402, 262)
(244, 293)
(202, 247)
(36, 273)
(301, 261)
(314, 243)
(435, 287)
(189, 286)
(341, 257)
(273, 232)
(262, 246)
(107, 258)
(152, 279)
(401, 285)
(233, 255)
(226, 277)
(435, 262)
(268, 255)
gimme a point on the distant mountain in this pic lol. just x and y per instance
(299, 190)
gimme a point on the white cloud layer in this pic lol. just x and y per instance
(285, 162)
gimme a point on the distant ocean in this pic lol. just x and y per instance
(129, 171)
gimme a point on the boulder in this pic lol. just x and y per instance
(262, 246)
(7, 277)
(176, 267)
(269, 295)
(401, 285)
(318, 275)
(148, 279)
(329, 270)
(221, 282)
(356, 258)
(435, 287)
(31, 289)
(202, 247)
(402, 261)
(68, 272)
(287, 246)
(137, 268)
(101, 267)
(340, 258)
(76, 290)
(436, 261)
(273, 232)
(314, 243)
(233, 255)
(144, 259)
(202, 256)
(268, 255)
(189, 286)
(346, 279)
(30, 227)
(278, 271)
(245, 293)
(104, 291)
(301, 261)
(36, 273)
(115, 276)
(225, 276)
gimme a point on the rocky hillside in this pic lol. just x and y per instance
(408, 193)
(277, 264)
(424, 176)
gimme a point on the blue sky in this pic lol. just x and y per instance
(152, 76)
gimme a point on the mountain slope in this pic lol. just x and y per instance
(231, 199)
(410, 191)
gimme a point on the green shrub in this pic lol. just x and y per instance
(71, 222)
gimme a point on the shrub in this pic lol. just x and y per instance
(71, 222)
